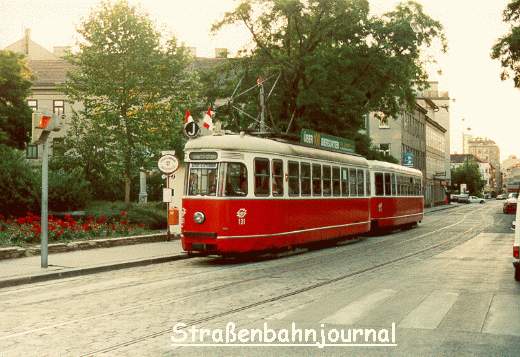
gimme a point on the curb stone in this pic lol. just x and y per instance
(20, 252)
(31, 279)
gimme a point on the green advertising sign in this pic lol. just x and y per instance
(327, 142)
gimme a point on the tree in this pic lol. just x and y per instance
(134, 87)
(15, 115)
(468, 173)
(336, 61)
(507, 48)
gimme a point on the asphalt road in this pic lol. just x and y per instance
(447, 287)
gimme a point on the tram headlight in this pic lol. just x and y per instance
(199, 217)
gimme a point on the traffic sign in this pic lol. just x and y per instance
(408, 159)
(168, 164)
(191, 129)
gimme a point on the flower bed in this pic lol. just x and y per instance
(27, 230)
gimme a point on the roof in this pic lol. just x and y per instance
(388, 166)
(461, 158)
(247, 143)
(49, 72)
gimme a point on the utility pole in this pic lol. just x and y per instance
(42, 125)
(44, 245)
(262, 106)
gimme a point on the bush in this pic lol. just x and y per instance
(68, 191)
(152, 215)
(18, 183)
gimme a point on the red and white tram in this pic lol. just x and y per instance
(247, 194)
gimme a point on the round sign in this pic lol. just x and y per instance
(191, 129)
(168, 164)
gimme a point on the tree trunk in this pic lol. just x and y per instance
(127, 190)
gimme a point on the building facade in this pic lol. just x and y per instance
(440, 113)
(488, 151)
(49, 71)
(435, 179)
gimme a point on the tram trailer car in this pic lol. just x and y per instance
(245, 194)
(397, 199)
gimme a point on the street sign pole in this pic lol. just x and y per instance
(44, 252)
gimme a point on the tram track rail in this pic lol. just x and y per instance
(444, 244)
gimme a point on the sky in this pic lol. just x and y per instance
(481, 101)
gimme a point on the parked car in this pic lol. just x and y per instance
(501, 197)
(463, 198)
(510, 206)
(475, 199)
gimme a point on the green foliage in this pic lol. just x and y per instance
(68, 190)
(468, 173)
(152, 215)
(135, 88)
(15, 115)
(18, 183)
(507, 48)
(336, 62)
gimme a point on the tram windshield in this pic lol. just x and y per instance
(203, 179)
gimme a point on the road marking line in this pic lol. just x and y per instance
(430, 313)
(355, 310)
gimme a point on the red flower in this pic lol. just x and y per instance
(85, 227)
(123, 213)
(101, 220)
(124, 223)
(141, 225)
(21, 220)
(68, 217)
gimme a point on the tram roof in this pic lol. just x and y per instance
(247, 143)
(388, 166)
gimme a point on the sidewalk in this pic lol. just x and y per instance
(27, 270)
(442, 208)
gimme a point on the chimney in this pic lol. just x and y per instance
(26, 40)
(221, 52)
(60, 51)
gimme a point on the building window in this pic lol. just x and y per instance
(58, 107)
(32, 151)
(384, 149)
(33, 104)
(383, 120)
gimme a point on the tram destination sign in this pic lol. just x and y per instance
(327, 142)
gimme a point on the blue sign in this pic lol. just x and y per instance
(408, 159)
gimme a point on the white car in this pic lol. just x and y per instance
(475, 199)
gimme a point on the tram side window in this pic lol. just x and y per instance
(378, 177)
(360, 182)
(344, 181)
(394, 186)
(294, 179)
(336, 190)
(369, 188)
(412, 188)
(262, 177)
(306, 179)
(352, 182)
(398, 186)
(326, 181)
(236, 179)
(316, 180)
(388, 185)
(277, 178)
